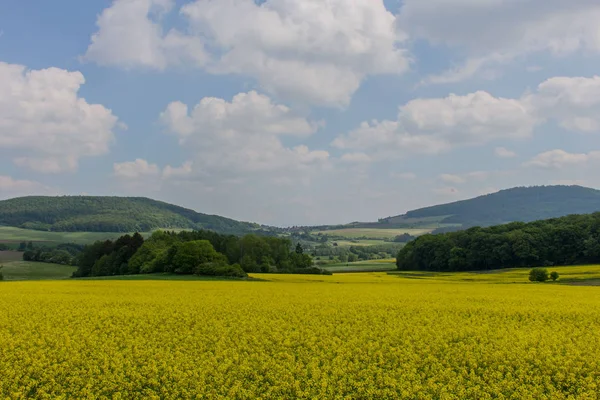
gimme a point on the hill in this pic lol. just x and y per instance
(109, 214)
(522, 204)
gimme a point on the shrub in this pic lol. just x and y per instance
(538, 275)
(554, 275)
(1, 274)
(310, 271)
(218, 269)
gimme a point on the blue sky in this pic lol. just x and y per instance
(285, 112)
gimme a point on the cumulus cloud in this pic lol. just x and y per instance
(574, 102)
(184, 170)
(242, 136)
(311, 51)
(558, 158)
(135, 169)
(431, 126)
(130, 35)
(493, 32)
(45, 125)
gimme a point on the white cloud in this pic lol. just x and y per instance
(558, 158)
(130, 35)
(242, 136)
(431, 126)
(45, 124)
(449, 178)
(311, 51)
(503, 152)
(493, 32)
(135, 169)
(572, 101)
(10, 187)
(178, 172)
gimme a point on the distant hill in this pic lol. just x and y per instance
(109, 214)
(523, 204)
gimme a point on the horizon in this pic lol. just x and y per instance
(398, 105)
(313, 225)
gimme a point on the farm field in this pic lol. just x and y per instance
(14, 235)
(361, 243)
(26, 270)
(362, 266)
(369, 335)
(569, 274)
(352, 233)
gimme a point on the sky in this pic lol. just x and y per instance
(288, 112)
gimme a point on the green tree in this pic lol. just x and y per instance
(554, 275)
(190, 255)
(299, 249)
(538, 275)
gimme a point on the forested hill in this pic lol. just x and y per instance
(109, 214)
(523, 204)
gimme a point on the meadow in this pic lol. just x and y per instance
(374, 233)
(363, 266)
(369, 335)
(10, 234)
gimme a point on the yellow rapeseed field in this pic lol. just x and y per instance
(355, 336)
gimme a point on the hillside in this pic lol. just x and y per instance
(523, 204)
(108, 214)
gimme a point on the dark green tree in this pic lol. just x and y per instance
(538, 275)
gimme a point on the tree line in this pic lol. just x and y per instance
(569, 240)
(198, 252)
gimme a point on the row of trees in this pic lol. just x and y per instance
(570, 240)
(198, 252)
(64, 254)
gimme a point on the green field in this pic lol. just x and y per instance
(348, 243)
(352, 233)
(571, 274)
(363, 266)
(12, 235)
(165, 277)
(25, 270)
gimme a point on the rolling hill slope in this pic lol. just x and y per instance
(109, 214)
(518, 204)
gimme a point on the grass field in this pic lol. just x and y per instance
(517, 275)
(362, 243)
(165, 277)
(12, 235)
(363, 266)
(25, 270)
(358, 336)
(352, 233)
